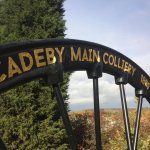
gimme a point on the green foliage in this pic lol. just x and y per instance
(30, 118)
(31, 19)
(84, 130)
(29, 114)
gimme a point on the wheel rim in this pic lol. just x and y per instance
(49, 58)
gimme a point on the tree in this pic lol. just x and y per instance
(29, 114)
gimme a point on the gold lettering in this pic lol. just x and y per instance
(90, 56)
(3, 77)
(145, 82)
(104, 58)
(22, 57)
(13, 68)
(115, 60)
(120, 67)
(111, 60)
(76, 56)
(119, 63)
(60, 52)
(123, 61)
(85, 57)
(39, 58)
(126, 66)
(96, 56)
(51, 59)
(129, 70)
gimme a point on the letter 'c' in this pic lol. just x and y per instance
(104, 58)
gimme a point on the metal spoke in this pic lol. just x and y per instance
(65, 118)
(125, 115)
(97, 114)
(137, 123)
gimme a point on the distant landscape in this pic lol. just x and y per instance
(112, 128)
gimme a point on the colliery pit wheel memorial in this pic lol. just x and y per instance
(24, 61)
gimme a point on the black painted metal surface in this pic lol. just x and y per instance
(97, 115)
(140, 95)
(125, 116)
(23, 61)
(65, 117)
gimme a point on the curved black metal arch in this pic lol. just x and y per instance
(31, 59)
(20, 62)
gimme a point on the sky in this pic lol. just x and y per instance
(123, 25)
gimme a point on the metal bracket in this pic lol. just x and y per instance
(140, 93)
(122, 79)
(54, 75)
(95, 71)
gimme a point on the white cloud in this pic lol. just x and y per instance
(80, 88)
(81, 91)
(121, 25)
